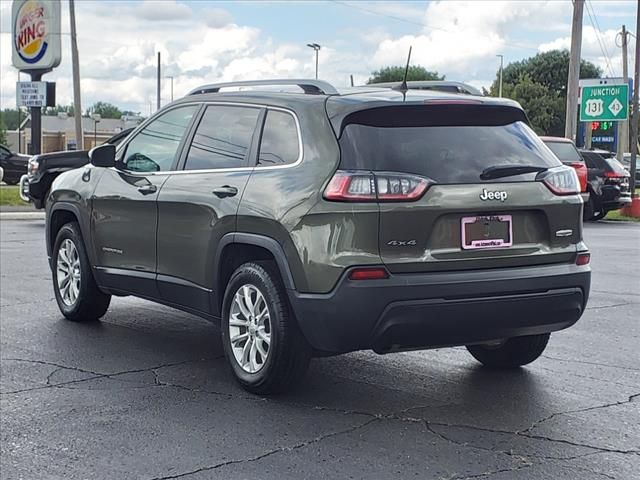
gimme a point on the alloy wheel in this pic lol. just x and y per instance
(250, 328)
(68, 272)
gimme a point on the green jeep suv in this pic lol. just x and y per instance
(317, 222)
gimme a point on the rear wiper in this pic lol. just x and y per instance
(499, 171)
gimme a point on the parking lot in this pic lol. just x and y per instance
(145, 393)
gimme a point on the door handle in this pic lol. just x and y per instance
(147, 189)
(226, 191)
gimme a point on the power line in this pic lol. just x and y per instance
(596, 28)
(522, 46)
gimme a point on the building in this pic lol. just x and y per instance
(59, 132)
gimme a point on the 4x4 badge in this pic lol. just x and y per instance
(499, 195)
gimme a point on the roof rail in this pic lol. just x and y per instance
(312, 87)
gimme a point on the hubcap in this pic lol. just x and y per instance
(250, 328)
(68, 272)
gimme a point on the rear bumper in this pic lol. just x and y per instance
(429, 310)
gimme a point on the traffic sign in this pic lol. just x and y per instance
(604, 103)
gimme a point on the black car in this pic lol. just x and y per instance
(14, 165)
(608, 183)
(44, 168)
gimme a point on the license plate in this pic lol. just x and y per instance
(489, 231)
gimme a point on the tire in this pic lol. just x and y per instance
(513, 353)
(589, 209)
(85, 302)
(287, 352)
(600, 215)
(11, 181)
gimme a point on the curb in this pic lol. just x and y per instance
(21, 215)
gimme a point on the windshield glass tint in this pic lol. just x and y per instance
(444, 154)
(565, 151)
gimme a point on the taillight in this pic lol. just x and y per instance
(368, 273)
(614, 175)
(561, 180)
(583, 259)
(361, 186)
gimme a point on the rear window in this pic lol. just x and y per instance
(565, 151)
(445, 154)
(616, 166)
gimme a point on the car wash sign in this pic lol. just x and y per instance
(36, 35)
(604, 103)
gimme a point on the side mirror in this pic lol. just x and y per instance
(103, 156)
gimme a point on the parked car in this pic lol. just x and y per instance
(608, 183)
(626, 162)
(568, 154)
(13, 165)
(304, 225)
(44, 168)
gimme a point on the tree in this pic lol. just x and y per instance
(543, 74)
(68, 109)
(11, 118)
(396, 74)
(105, 110)
(3, 131)
(544, 107)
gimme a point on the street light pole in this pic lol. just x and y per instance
(96, 120)
(171, 77)
(316, 47)
(500, 84)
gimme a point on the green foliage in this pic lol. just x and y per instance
(11, 118)
(68, 109)
(3, 131)
(396, 74)
(105, 110)
(543, 92)
(544, 107)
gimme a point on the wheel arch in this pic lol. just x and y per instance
(60, 214)
(234, 249)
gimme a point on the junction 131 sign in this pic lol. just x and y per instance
(604, 103)
(36, 35)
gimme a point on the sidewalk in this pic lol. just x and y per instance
(27, 212)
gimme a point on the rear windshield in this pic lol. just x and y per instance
(616, 166)
(565, 151)
(447, 154)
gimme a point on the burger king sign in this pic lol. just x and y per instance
(36, 34)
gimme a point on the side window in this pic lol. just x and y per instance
(223, 138)
(4, 153)
(155, 147)
(279, 144)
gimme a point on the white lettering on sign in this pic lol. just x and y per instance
(605, 91)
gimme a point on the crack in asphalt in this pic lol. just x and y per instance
(612, 306)
(291, 448)
(400, 415)
(590, 363)
(588, 377)
(579, 410)
(94, 375)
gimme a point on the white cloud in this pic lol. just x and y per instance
(594, 52)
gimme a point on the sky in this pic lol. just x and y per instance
(210, 41)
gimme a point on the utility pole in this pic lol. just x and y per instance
(316, 47)
(573, 89)
(501, 65)
(77, 104)
(158, 86)
(636, 114)
(351, 76)
(623, 127)
(170, 77)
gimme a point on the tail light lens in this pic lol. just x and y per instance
(369, 273)
(358, 186)
(561, 180)
(583, 259)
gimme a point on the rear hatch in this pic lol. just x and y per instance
(459, 186)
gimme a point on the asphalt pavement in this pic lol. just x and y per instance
(146, 394)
